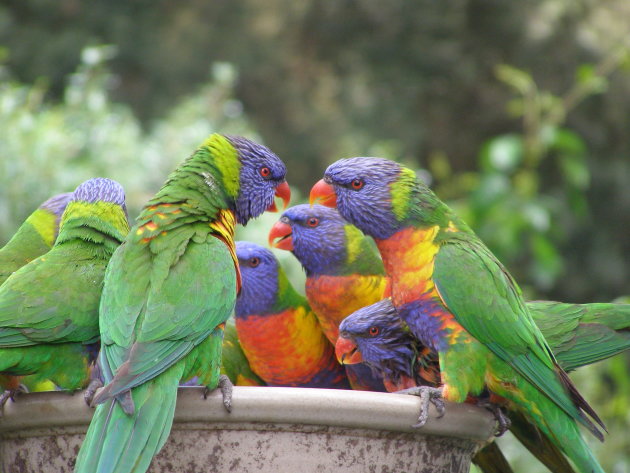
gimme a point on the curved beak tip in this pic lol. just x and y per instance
(324, 194)
(280, 236)
(347, 352)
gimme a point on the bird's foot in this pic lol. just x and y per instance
(503, 421)
(11, 393)
(427, 395)
(90, 391)
(225, 385)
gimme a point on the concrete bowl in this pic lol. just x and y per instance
(273, 430)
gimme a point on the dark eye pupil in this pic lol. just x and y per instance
(254, 262)
(357, 183)
(265, 172)
(373, 330)
(312, 222)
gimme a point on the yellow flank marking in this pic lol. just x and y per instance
(161, 215)
(151, 226)
(146, 240)
(451, 227)
(43, 222)
(163, 233)
(140, 230)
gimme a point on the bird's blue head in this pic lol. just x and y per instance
(57, 203)
(376, 336)
(259, 278)
(100, 189)
(261, 177)
(371, 193)
(317, 236)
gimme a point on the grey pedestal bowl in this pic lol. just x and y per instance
(273, 430)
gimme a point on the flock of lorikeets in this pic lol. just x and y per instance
(130, 314)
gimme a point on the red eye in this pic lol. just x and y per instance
(253, 262)
(312, 222)
(357, 184)
(374, 331)
(265, 172)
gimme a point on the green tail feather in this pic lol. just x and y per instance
(121, 443)
(538, 443)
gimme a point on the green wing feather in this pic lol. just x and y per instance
(196, 286)
(53, 299)
(581, 334)
(487, 302)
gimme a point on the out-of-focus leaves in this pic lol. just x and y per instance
(503, 153)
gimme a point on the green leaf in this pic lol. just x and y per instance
(503, 153)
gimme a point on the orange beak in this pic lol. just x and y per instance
(284, 192)
(324, 194)
(347, 352)
(282, 232)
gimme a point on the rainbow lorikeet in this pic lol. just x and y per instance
(459, 300)
(343, 271)
(279, 333)
(49, 307)
(378, 337)
(34, 237)
(168, 290)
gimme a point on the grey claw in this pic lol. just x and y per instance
(11, 393)
(225, 385)
(503, 422)
(90, 391)
(427, 395)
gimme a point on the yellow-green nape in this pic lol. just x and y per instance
(108, 211)
(354, 243)
(400, 191)
(226, 161)
(45, 223)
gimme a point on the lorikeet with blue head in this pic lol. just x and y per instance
(343, 271)
(377, 336)
(278, 331)
(168, 291)
(49, 307)
(459, 300)
(35, 236)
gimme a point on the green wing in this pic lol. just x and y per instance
(581, 334)
(150, 320)
(53, 299)
(486, 301)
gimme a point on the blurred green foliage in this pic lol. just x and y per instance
(515, 112)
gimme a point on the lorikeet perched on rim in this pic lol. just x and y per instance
(34, 237)
(343, 271)
(459, 300)
(378, 337)
(49, 307)
(168, 290)
(278, 331)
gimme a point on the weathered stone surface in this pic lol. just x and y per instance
(315, 431)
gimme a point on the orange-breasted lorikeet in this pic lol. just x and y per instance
(278, 331)
(459, 300)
